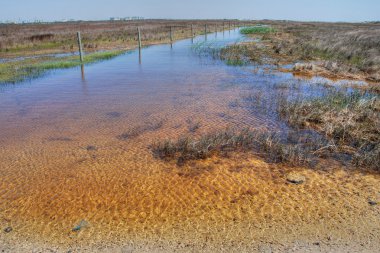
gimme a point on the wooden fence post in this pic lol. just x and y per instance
(171, 34)
(205, 31)
(192, 31)
(80, 47)
(139, 37)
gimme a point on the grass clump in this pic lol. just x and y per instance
(351, 121)
(235, 55)
(205, 48)
(13, 72)
(268, 144)
(257, 30)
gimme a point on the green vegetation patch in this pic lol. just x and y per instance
(257, 30)
(13, 72)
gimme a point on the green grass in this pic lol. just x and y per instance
(13, 72)
(35, 47)
(257, 30)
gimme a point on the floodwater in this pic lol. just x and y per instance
(68, 180)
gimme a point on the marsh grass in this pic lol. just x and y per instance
(205, 48)
(272, 146)
(257, 30)
(351, 121)
(234, 54)
(12, 72)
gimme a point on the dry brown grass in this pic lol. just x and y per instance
(341, 50)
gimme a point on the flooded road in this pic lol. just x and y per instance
(63, 159)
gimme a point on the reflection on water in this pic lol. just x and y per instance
(63, 162)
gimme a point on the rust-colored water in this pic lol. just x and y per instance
(61, 162)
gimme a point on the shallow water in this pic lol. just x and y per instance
(63, 161)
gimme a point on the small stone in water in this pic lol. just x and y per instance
(8, 229)
(91, 148)
(81, 225)
(372, 202)
(295, 178)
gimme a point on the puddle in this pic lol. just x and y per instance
(50, 182)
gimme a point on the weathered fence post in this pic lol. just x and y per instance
(229, 25)
(205, 31)
(192, 34)
(171, 34)
(139, 37)
(80, 47)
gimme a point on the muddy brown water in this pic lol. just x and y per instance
(68, 181)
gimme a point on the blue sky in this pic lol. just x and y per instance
(308, 10)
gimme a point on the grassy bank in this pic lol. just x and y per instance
(22, 40)
(12, 72)
(333, 50)
(60, 37)
(350, 121)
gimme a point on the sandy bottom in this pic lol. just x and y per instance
(58, 171)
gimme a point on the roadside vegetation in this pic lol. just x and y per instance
(12, 72)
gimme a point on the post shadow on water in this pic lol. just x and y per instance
(82, 72)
